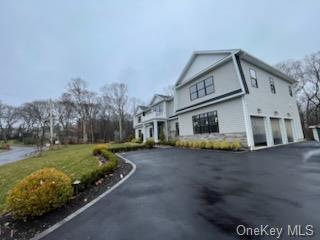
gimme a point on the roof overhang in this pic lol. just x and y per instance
(265, 66)
(202, 52)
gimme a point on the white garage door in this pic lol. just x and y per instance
(259, 131)
(276, 131)
(288, 123)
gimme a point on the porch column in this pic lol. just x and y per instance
(155, 131)
(144, 130)
(166, 130)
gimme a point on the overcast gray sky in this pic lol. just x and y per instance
(43, 44)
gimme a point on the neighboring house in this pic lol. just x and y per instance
(316, 132)
(227, 94)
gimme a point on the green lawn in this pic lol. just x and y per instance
(74, 160)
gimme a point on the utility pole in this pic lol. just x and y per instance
(51, 123)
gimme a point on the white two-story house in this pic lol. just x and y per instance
(226, 94)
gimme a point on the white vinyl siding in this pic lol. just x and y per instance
(225, 80)
(231, 118)
(261, 101)
(200, 63)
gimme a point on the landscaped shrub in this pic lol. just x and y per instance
(108, 167)
(162, 137)
(149, 143)
(29, 141)
(208, 145)
(39, 193)
(136, 140)
(98, 148)
(170, 142)
(224, 145)
(5, 146)
(215, 144)
(195, 144)
(178, 143)
(235, 145)
(203, 144)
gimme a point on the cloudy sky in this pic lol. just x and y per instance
(44, 44)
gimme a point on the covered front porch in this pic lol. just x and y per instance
(154, 130)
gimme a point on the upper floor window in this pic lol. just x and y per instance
(272, 86)
(290, 91)
(253, 77)
(205, 123)
(202, 88)
(158, 108)
(139, 119)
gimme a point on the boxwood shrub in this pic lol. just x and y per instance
(108, 167)
(39, 193)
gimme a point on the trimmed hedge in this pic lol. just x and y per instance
(149, 143)
(170, 142)
(108, 167)
(98, 148)
(39, 193)
(221, 145)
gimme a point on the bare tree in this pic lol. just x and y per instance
(8, 117)
(307, 73)
(37, 115)
(64, 112)
(115, 95)
(79, 94)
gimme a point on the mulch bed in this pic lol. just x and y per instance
(18, 229)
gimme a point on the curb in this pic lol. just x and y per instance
(85, 207)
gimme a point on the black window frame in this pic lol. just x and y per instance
(253, 79)
(290, 91)
(201, 88)
(139, 119)
(206, 123)
(272, 85)
(177, 132)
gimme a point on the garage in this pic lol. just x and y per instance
(288, 125)
(259, 131)
(276, 131)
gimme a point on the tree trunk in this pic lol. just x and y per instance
(91, 128)
(120, 128)
(84, 129)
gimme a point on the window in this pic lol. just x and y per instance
(202, 88)
(290, 91)
(177, 129)
(205, 123)
(253, 77)
(272, 86)
(150, 132)
(139, 119)
(158, 108)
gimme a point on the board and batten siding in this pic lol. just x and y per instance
(230, 117)
(225, 80)
(262, 98)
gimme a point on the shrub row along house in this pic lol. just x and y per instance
(225, 95)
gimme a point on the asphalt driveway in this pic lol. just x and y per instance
(15, 154)
(203, 194)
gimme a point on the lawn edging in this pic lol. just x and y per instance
(85, 207)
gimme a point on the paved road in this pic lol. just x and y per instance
(199, 194)
(15, 154)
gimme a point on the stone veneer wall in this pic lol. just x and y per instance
(240, 136)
